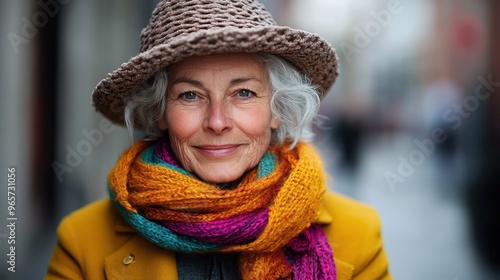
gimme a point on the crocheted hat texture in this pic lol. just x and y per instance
(179, 29)
(269, 218)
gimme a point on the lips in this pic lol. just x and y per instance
(218, 151)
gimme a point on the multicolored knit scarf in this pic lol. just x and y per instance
(268, 218)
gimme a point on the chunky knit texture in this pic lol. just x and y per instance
(179, 29)
(269, 217)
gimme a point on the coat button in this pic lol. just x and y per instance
(128, 259)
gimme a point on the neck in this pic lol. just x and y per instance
(229, 185)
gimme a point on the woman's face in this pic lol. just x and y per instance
(218, 115)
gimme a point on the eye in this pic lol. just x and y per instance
(189, 95)
(245, 93)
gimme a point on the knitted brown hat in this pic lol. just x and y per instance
(179, 29)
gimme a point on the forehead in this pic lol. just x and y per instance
(237, 63)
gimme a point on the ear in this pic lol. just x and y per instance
(162, 123)
(275, 122)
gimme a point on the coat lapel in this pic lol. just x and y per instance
(344, 269)
(139, 259)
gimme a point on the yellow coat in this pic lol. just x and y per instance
(96, 243)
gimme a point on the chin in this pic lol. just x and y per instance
(222, 177)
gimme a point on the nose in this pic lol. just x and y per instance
(217, 119)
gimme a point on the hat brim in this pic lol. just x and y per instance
(307, 51)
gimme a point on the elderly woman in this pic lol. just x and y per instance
(224, 185)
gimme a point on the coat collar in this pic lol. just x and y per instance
(344, 269)
(324, 218)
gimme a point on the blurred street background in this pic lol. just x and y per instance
(412, 124)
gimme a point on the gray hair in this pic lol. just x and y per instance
(295, 102)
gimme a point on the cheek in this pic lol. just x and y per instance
(182, 124)
(255, 122)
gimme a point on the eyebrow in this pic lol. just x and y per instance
(200, 84)
(243, 80)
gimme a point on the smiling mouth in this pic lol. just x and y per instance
(218, 151)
